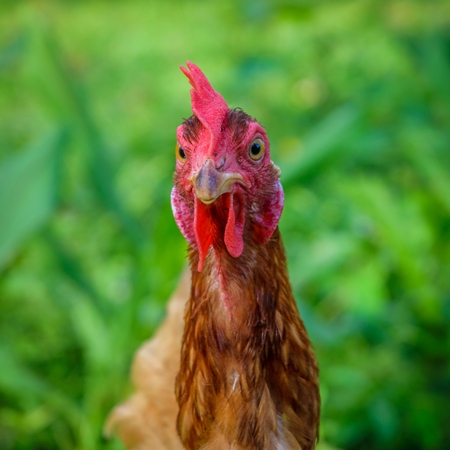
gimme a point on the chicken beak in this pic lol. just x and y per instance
(209, 183)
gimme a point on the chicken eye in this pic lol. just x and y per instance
(180, 153)
(256, 149)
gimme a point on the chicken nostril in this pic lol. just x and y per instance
(221, 162)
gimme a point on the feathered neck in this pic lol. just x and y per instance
(248, 377)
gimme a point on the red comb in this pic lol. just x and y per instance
(207, 104)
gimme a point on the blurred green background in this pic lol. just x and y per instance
(355, 96)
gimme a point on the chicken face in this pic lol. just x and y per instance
(226, 188)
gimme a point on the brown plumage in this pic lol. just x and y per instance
(247, 378)
(147, 420)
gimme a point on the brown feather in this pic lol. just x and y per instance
(248, 377)
(147, 419)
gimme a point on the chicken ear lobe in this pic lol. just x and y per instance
(266, 220)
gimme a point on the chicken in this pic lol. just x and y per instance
(247, 377)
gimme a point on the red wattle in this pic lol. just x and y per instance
(203, 227)
(234, 230)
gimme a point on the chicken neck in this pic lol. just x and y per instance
(248, 376)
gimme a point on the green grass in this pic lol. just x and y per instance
(355, 96)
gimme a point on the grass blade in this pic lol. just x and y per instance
(28, 191)
(322, 143)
